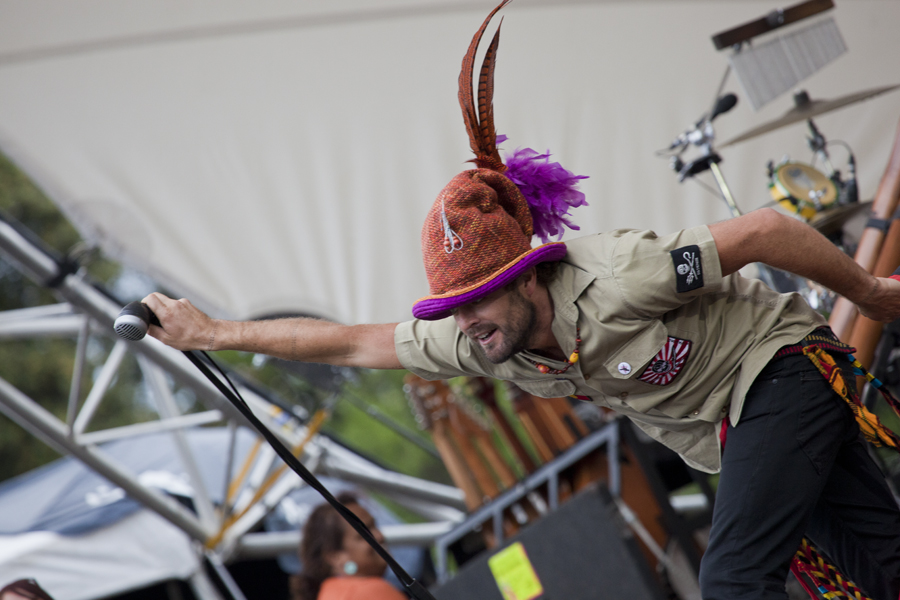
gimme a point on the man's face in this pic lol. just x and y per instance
(500, 324)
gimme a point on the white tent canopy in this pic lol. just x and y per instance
(280, 156)
(82, 537)
(140, 550)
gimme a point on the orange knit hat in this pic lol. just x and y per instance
(477, 235)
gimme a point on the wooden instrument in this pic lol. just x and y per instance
(556, 427)
(747, 31)
(463, 439)
(483, 389)
(430, 401)
(551, 422)
(866, 332)
(870, 243)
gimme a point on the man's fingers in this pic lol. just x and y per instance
(156, 302)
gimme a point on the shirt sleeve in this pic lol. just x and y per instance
(436, 350)
(654, 275)
(358, 588)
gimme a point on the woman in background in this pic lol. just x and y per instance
(338, 564)
(24, 589)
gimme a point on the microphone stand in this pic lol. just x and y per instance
(703, 136)
(132, 324)
(413, 587)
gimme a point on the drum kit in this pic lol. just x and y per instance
(827, 200)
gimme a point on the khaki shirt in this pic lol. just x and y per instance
(674, 362)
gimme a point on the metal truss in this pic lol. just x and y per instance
(223, 532)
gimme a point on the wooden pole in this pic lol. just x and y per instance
(866, 332)
(845, 312)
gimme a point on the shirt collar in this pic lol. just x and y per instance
(565, 289)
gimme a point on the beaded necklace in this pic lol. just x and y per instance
(573, 358)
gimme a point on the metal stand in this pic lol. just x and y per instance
(547, 475)
(86, 311)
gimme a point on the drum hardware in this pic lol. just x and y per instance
(848, 192)
(826, 202)
(817, 296)
(817, 143)
(806, 108)
(702, 135)
(832, 221)
(804, 190)
(800, 188)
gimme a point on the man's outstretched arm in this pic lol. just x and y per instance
(185, 327)
(785, 243)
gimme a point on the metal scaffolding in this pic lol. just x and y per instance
(222, 532)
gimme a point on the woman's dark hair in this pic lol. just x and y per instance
(323, 534)
(28, 588)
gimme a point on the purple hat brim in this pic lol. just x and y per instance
(432, 308)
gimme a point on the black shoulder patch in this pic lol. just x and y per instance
(688, 273)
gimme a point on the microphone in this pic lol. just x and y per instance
(134, 320)
(697, 134)
(723, 105)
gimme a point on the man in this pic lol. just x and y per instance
(662, 330)
(524, 320)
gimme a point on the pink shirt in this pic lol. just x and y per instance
(358, 588)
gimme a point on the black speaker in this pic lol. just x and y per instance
(582, 551)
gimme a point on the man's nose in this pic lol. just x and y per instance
(465, 317)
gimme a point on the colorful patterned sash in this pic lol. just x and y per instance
(830, 583)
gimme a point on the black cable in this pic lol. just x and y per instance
(224, 376)
(842, 143)
(413, 587)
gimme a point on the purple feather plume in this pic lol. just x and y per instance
(550, 189)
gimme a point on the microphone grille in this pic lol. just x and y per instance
(132, 329)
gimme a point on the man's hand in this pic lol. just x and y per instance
(183, 326)
(785, 243)
(882, 302)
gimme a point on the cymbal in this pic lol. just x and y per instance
(832, 220)
(806, 109)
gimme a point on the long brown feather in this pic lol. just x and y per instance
(482, 137)
(486, 102)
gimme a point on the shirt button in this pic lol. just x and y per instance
(696, 412)
(623, 395)
(587, 376)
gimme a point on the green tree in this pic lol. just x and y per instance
(42, 368)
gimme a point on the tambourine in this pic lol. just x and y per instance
(802, 189)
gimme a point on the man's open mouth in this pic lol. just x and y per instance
(485, 338)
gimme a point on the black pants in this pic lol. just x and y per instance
(796, 466)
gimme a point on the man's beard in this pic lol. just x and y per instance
(516, 333)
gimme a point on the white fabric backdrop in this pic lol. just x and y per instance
(280, 156)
